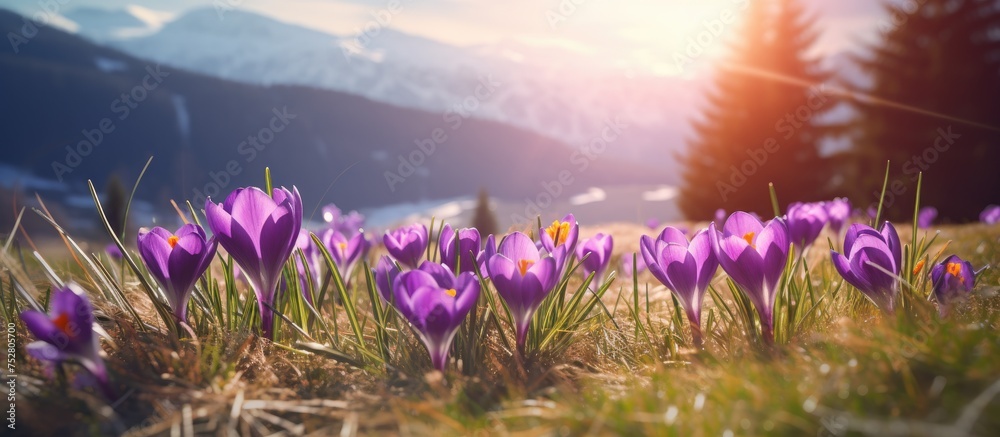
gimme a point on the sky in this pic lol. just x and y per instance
(645, 33)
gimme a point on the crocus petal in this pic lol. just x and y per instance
(252, 208)
(385, 275)
(154, 251)
(853, 232)
(843, 266)
(682, 269)
(741, 223)
(773, 245)
(545, 272)
(701, 249)
(671, 234)
(743, 264)
(891, 238)
(442, 274)
(41, 327)
(467, 292)
(517, 247)
(652, 259)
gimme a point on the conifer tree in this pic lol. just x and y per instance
(483, 218)
(757, 128)
(114, 204)
(941, 56)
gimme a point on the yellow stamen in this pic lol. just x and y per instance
(172, 241)
(62, 322)
(955, 269)
(523, 265)
(558, 232)
(451, 292)
(918, 267)
(749, 237)
(342, 246)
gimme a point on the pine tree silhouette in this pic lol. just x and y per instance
(114, 205)
(483, 218)
(755, 130)
(943, 56)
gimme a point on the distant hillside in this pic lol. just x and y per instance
(557, 92)
(59, 86)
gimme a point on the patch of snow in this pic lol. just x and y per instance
(661, 194)
(592, 195)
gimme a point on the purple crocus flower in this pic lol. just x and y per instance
(597, 251)
(870, 254)
(523, 278)
(346, 251)
(952, 279)
(435, 302)
(720, 215)
(838, 212)
(348, 224)
(754, 255)
(627, 266)
(990, 215)
(926, 216)
(489, 249)
(407, 244)
(113, 251)
(259, 231)
(464, 255)
(312, 255)
(385, 273)
(685, 268)
(67, 333)
(805, 221)
(176, 260)
(560, 238)
(652, 223)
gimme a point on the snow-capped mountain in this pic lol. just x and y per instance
(545, 90)
(103, 25)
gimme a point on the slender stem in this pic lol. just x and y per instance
(696, 334)
(768, 333)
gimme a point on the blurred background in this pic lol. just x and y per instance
(617, 111)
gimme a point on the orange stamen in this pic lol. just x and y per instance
(523, 265)
(172, 241)
(918, 267)
(558, 232)
(955, 269)
(62, 322)
(749, 237)
(451, 292)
